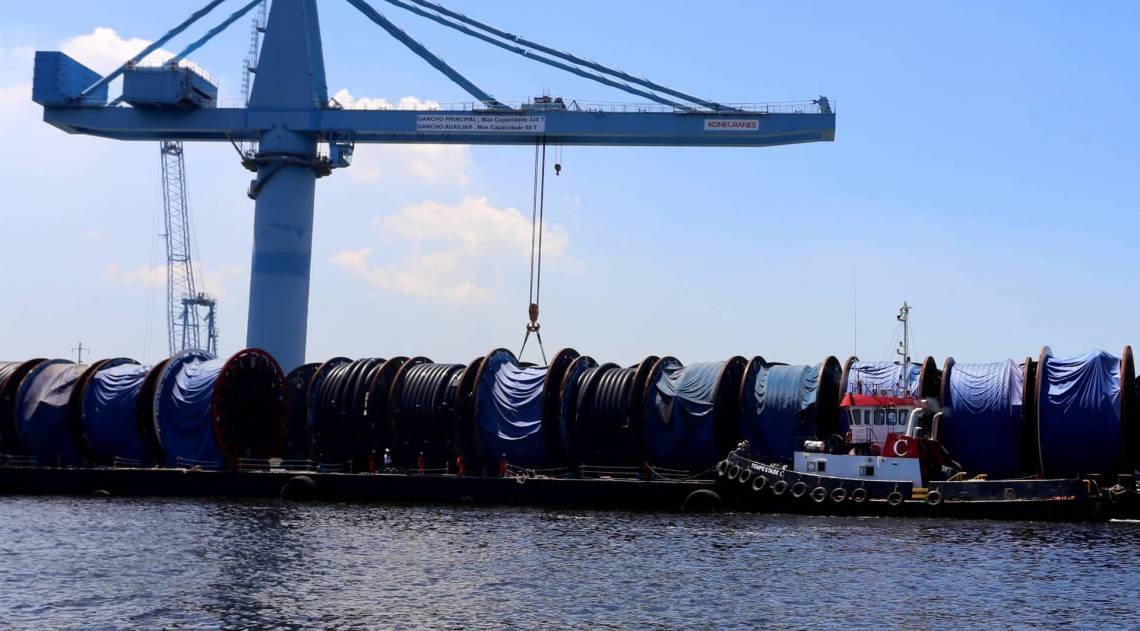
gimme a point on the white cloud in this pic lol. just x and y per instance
(456, 252)
(104, 49)
(140, 275)
(213, 280)
(441, 164)
(16, 96)
(345, 98)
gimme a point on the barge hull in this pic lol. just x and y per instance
(340, 487)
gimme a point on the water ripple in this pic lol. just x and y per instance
(121, 563)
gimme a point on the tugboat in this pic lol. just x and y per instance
(890, 462)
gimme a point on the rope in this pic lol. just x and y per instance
(659, 472)
(537, 215)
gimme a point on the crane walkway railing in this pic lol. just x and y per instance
(529, 107)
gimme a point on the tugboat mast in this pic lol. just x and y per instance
(904, 346)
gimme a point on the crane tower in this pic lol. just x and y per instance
(185, 304)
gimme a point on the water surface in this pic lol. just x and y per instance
(116, 563)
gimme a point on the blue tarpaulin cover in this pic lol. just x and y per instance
(183, 417)
(983, 429)
(109, 420)
(779, 411)
(509, 412)
(882, 378)
(41, 413)
(1079, 429)
(680, 424)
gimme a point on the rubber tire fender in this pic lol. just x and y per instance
(759, 482)
(299, 487)
(934, 497)
(838, 494)
(819, 495)
(859, 495)
(701, 500)
(745, 475)
(799, 489)
(721, 468)
(733, 471)
(779, 487)
(895, 498)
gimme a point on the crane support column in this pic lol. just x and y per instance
(290, 76)
(282, 247)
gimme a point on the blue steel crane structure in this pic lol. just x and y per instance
(290, 115)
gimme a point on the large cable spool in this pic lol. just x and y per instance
(11, 375)
(103, 407)
(466, 429)
(782, 406)
(211, 412)
(339, 424)
(422, 414)
(144, 412)
(692, 413)
(1084, 409)
(377, 425)
(319, 445)
(297, 445)
(607, 421)
(41, 413)
(885, 378)
(516, 410)
(983, 425)
(569, 396)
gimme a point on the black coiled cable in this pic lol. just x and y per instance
(605, 430)
(297, 444)
(339, 434)
(423, 415)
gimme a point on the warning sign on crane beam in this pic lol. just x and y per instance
(479, 123)
(732, 124)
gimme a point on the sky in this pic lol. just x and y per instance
(984, 170)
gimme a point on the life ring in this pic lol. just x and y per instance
(934, 497)
(858, 495)
(745, 476)
(901, 446)
(838, 495)
(779, 487)
(759, 482)
(733, 471)
(799, 489)
(895, 498)
(722, 468)
(819, 495)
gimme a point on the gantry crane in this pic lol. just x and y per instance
(290, 115)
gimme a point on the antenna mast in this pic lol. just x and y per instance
(904, 347)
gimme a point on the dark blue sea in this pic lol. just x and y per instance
(106, 563)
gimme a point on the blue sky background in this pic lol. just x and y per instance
(984, 169)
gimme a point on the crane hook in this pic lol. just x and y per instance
(557, 168)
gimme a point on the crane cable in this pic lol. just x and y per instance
(538, 203)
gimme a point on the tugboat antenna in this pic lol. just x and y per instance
(904, 351)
